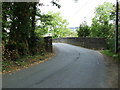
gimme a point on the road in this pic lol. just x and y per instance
(72, 67)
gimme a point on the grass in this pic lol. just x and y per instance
(111, 54)
(10, 66)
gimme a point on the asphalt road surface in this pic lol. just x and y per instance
(72, 67)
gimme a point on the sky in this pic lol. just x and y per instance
(75, 12)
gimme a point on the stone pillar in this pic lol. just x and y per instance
(48, 43)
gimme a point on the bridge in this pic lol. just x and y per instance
(86, 42)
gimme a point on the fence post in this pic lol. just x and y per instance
(48, 43)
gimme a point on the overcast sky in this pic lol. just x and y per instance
(75, 12)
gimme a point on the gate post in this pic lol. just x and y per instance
(48, 43)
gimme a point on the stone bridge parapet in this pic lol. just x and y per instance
(87, 42)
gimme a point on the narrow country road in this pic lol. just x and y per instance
(72, 67)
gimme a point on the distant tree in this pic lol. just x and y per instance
(53, 23)
(84, 30)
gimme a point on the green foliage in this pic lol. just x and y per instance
(18, 29)
(53, 23)
(59, 25)
(111, 54)
(103, 24)
(44, 22)
(107, 52)
(20, 35)
(105, 13)
(84, 30)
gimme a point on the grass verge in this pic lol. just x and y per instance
(25, 62)
(111, 54)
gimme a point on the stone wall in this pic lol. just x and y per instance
(92, 43)
(48, 43)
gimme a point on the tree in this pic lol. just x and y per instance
(102, 23)
(19, 28)
(53, 23)
(84, 30)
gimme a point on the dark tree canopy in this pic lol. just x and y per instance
(19, 28)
